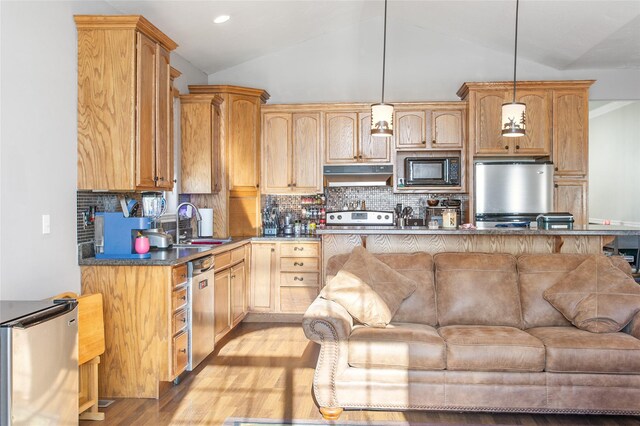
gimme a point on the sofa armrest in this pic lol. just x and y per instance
(328, 324)
(334, 318)
(633, 328)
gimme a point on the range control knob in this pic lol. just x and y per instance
(339, 217)
(379, 217)
(386, 216)
(331, 217)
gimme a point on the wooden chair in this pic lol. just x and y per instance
(90, 347)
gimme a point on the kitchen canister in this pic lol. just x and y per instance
(449, 218)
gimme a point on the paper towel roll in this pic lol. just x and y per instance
(206, 226)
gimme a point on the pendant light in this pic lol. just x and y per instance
(382, 114)
(514, 113)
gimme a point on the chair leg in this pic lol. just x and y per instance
(330, 413)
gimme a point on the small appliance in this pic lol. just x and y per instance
(115, 236)
(358, 175)
(153, 206)
(432, 171)
(561, 220)
(360, 217)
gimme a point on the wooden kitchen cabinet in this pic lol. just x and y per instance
(200, 117)
(145, 309)
(291, 155)
(237, 203)
(230, 289)
(347, 139)
(221, 308)
(431, 126)
(571, 132)
(285, 276)
(124, 104)
(238, 293)
(571, 196)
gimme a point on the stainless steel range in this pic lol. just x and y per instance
(360, 217)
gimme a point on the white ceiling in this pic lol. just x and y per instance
(565, 35)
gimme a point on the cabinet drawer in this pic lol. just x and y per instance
(303, 279)
(301, 264)
(180, 358)
(237, 255)
(296, 299)
(178, 299)
(223, 260)
(299, 249)
(179, 321)
(179, 274)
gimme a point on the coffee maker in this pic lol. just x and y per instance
(115, 235)
(153, 206)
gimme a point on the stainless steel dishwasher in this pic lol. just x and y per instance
(201, 315)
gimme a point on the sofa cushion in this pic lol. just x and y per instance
(487, 348)
(477, 289)
(596, 296)
(420, 306)
(368, 289)
(571, 350)
(399, 345)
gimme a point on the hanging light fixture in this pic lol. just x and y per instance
(382, 114)
(514, 113)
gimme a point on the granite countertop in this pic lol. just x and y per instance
(177, 256)
(421, 230)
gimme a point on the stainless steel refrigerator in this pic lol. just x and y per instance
(512, 193)
(38, 363)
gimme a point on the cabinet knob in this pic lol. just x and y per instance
(183, 298)
(360, 156)
(184, 320)
(298, 278)
(155, 178)
(257, 185)
(293, 184)
(433, 142)
(355, 157)
(272, 250)
(556, 169)
(233, 276)
(423, 142)
(161, 178)
(506, 147)
(298, 248)
(184, 351)
(555, 185)
(175, 181)
(298, 263)
(517, 146)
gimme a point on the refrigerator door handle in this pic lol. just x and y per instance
(44, 316)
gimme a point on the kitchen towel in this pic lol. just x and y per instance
(206, 226)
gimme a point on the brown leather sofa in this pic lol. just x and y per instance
(476, 335)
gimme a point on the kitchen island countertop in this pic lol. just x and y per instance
(421, 230)
(177, 256)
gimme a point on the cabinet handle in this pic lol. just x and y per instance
(184, 351)
(298, 263)
(359, 156)
(433, 142)
(183, 298)
(233, 276)
(272, 250)
(289, 185)
(175, 181)
(183, 276)
(423, 142)
(155, 178)
(556, 169)
(161, 178)
(257, 185)
(506, 147)
(293, 184)
(184, 320)
(517, 146)
(298, 278)
(555, 185)
(298, 248)
(355, 157)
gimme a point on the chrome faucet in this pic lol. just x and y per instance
(198, 218)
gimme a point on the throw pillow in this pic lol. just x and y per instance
(368, 289)
(596, 296)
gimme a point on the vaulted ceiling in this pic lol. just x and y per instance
(565, 35)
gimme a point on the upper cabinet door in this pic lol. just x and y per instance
(244, 133)
(196, 146)
(146, 113)
(307, 163)
(537, 140)
(488, 123)
(447, 130)
(276, 153)
(570, 132)
(164, 148)
(341, 137)
(372, 149)
(410, 130)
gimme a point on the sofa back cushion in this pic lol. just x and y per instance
(420, 307)
(477, 289)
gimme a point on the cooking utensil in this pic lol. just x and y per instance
(432, 202)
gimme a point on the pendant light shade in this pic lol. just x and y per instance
(514, 113)
(382, 114)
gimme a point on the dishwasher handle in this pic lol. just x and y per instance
(202, 265)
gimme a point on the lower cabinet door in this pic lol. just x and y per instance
(238, 296)
(180, 357)
(221, 308)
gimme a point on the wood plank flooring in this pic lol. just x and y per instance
(266, 371)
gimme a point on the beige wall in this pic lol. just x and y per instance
(614, 165)
(38, 48)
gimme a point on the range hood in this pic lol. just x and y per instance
(358, 175)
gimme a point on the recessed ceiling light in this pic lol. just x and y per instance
(220, 19)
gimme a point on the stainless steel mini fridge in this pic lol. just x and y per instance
(38, 363)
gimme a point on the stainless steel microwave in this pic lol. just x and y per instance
(428, 171)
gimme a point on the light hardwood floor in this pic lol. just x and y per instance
(266, 371)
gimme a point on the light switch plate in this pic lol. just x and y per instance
(46, 224)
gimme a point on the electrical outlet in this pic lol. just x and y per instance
(46, 224)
